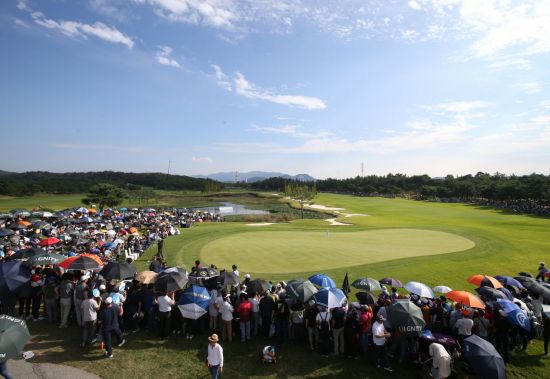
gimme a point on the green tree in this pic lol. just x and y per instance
(300, 192)
(103, 195)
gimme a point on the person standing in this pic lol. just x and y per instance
(323, 325)
(337, 324)
(310, 316)
(379, 336)
(66, 289)
(160, 246)
(227, 319)
(441, 361)
(89, 318)
(51, 297)
(109, 324)
(245, 314)
(282, 320)
(214, 360)
(255, 314)
(213, 311)
(365, 321)
(165, 303)
(267, 306)
(79, 296)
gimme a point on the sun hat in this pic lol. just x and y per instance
(213, 338)
(108, 300)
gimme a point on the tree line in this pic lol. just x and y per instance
(497, 187)
(30, 183)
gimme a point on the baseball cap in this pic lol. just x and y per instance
(108, 300)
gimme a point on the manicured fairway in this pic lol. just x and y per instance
(285, 252)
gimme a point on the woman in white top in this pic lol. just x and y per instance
(165, 303)
(214, 361)
(227, 319)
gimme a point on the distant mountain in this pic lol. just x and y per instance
(2, 172)
(253, 176)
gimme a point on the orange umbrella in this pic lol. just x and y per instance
(92, 210)
(484, 280)
(94, 257)
(133, 229)
(465, 298)
(26, 223)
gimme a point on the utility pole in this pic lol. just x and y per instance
(236, 176)
(169, 162)
(362, 169)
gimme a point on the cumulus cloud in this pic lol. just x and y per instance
(75, 29)
(221, 78)
(164, 57)
(202, 159)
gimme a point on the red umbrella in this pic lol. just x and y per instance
(484, 280)
(79, 262)
(94, 257)
(49, 241)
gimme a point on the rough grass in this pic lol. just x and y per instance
(505, 244)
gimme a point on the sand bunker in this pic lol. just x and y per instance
(332, 221)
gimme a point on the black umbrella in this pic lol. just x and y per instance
(80, 262)
(17, 226)
(366, 298)
(300, 290)
(367, 284)
(41, 225)
(5, 232)
(490, 293)
(46, 258)
(118, 270)
(27, 253)
(526, 274)
(391, 282)
(258, 285)
(534, 287)
(13, 276)
(406, 317)
(170, 281)
(483, 358)
(200, 275)
(13, 337)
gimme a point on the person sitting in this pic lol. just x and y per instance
(268, 355)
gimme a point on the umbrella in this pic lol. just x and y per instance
(484, 281)
(366, 298)
(146, 277)
(534, 287)
(5, 232)
(49, 241)
(94, 257)
(46, 258)
(118, 270)
(82, 210)
(27, 253)
(507, 294)
(330, 297)
(300, 290)
(80, 262)
(204, 272)
(13, 337)
(509, 281)
(20, 212)
(465, 298)
(194, 301)
(170, 281)
(514, 314)
(41, 225)
(259, 285)
(391, 282)
(322, 280)
(406, 317)
(442, 289)
(419, 289)
(490, 293)
(367, 284)
(525, 273)
(483, 358)
(13, 276)
(231, 279)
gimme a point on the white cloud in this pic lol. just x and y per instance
(458, 106)
(292, 130)
(164, 57)
(245, 88)
(202, 159)
(21, 23)
(77, 29)
(511, 63)
(222, 79)
(414, 5)
(530, 88)
(216, 13)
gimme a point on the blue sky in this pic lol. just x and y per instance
(418, 87)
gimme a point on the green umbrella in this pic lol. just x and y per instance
(406, 317)
(13, 337)
(301, 290)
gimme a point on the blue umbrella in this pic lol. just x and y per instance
(322, 280)
(330, 297)
(194, 301)
(515, 315)
(509, 281)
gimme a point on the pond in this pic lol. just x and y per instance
(233, 209)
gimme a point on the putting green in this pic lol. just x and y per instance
(287, 252)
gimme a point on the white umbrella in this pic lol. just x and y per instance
(419, 289)
(442, 289)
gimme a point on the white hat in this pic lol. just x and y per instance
(247, 276)
(102, 287)
(108, 300)
(83, 278)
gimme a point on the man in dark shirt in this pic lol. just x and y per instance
(266, 311)
(282, 318)
(310, 316)
(109, 324)
(337, 321)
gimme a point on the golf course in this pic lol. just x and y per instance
(433, 243)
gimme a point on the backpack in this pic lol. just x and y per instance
(324, 326)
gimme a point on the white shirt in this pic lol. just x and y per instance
(215, 355)
(378, 330)
(255, 305)
(165, 303)
(464, 326)
(227, 311)
(213, 306)
(441, 359)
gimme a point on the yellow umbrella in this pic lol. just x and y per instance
(146, 277)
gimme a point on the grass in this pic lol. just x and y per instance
(504, 244)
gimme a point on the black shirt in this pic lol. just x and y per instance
(266, 306)
(109, 318)
(338, 316)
